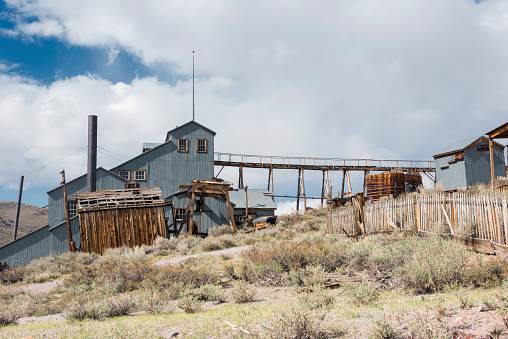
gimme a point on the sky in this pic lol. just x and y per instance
(392, 79)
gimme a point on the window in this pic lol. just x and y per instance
(483, 147)
(183, 145)
(179, 213)
(140, 175)
(239, 219)
(125, 175)
(71, 207)
(201, 146)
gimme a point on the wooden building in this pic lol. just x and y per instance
(466, 163)
(391, 184)
(186, 154)
(116, 218)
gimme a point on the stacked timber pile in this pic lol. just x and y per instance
(126, 198)
(390, 184)
(116, 218)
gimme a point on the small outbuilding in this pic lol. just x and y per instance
(467, 162)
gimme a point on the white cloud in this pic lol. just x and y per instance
(391, 79)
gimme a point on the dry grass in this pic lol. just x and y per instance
(395, 272)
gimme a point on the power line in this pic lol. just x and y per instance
(46, 165)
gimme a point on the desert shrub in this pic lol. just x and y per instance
(319, 299)
(220, 230)
(151, 301)
(50, 267)
(9, 313)
(116, 274)
(294, 255)
(486, 273)
(161, 253)
(227, 240)
(189, 304)
(162, 243)
(314, 275)
(210, 244)
(119, 305)
(385, 330)
(431, 263)
(298, 322)
(187, 244)
(98, 308)
(358, 256)
(207, 293)
(83, 308)
(242, 292)
(365, 293)
(187, 274)
(12, 275)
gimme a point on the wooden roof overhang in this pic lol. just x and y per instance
(500, 132)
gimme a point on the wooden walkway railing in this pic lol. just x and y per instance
(482, 216)
(284, 162)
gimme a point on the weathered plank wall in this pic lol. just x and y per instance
(103, 229)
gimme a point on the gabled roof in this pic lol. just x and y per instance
(190, 122)
(464, 145)
(138, 156)
(256, 197)
(84, 175)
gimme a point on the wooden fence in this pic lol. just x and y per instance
(478, 215)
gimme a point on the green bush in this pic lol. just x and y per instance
(431, 264)
(210, 244)
(243, 292)
(189, 304)
(98, 308)
(486, 273)
(365, 293)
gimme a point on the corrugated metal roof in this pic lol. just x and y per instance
(150, 145)
(458, 145)
(256, 198)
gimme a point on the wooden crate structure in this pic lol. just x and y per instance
(116, 218)
(390, 184)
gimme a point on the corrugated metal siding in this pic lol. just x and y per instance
(475, 168)
(452, 177)
(478, 165)
(40, 243)
(168, 168)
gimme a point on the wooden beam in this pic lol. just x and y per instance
(72, 245)
(298, 192)
(190, 222)
(240, 177)
(492, 174)
(230, 211)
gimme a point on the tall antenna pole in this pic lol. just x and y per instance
(193, 86)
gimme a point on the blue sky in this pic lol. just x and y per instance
(381, 80)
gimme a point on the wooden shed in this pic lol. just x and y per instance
(116, 218)
(391, 184)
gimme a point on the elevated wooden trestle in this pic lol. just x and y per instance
(320, 164)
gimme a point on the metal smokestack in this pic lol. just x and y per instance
(92, 154)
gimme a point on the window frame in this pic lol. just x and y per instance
(140, 171)
(128, 174)
(186, 145)
(69, 209)
(182, 214)
(206, 145)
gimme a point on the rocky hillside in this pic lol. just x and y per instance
(31, 218)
